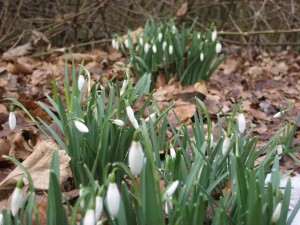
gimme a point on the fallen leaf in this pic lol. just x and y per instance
(182, 10)
(17, 52)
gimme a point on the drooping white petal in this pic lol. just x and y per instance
(117, 46)
(171, 49)
(89, 217)
(276, 213)
(12, 121)
(16, 201)
(119, 123)
(141, 41)
(172, 153)
(82, 203)
(174, 29)
(136, 158)
(113, 43)
(1, 218)
(225, 146)
(146, 47)
(198, 36)
(124, 86)
(131, 117)
(113, 199)
(201, 56)
(81, 127)
(98, 207)
(152, 116)
(218, 48)
(211, 140)
(160, 37)
(214, 35)
(241, 121)
(154, 49)
(126, 43)
(81, 82)
(172, 188)
(279, 150)
(279, 114)
(164, 45)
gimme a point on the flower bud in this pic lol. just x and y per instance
(81, 82)
(119, 123)
(172, 153)
(276, 213)
(218, 48)
(214, 35)
(17, 198)
(171, 49)
(201, 56)
(151, 117)
(279, 114)
(241, 121)
(113, 197)
(99, 204)
(198, 36)
(141, 41)
(154, 49)
(81, 127)
(89, 217)
(126, 43)
(164, 45)
(172, 188)
(146, 47)
(160, 36)
(136, 156)
(124, 86)
(279, 150)
(225, 146)
(1, 218)
(12, 121)
(131, 117)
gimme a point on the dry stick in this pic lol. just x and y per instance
(259, 32)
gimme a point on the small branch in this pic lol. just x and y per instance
(234, 33)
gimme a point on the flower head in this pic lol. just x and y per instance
(172, 153)
(119, 123)
(151, 117)
(146, 47)
(89, 217)
(214, 35)
(201, 56)
(126, 43)
(199, 36)
(115, 43)
(136, 156)
(279, 150)
(12, 121)
(131, 116)
(241, 121)
(159, 36)
(279, 114)
(81, 126)
(124, 86)
(81, 82)
(99, 204)
(225, 146)
(276, 213)
(218, 47)
(17, 198)
(172, 188)
(141, 41)
(171, 49)
(113, 197)
(164, 45)
(154, 49)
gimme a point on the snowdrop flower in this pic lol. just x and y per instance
(198, 36)
(119, 123)
(146, 47)
(201, 56)
(279, 150)
(225, 146)
(154, 49)
(172, 153)
(115, 44)
(99, 204)
(218, 48)
(12, 121)
(152, 117)
(276, 213)
(113, 197)
(141, 41)
(136, 156)
(164, 45)
(131, 116)
(17, 198)
(80, 194)
(81, 126)
(81, 82)
(214, 35)
(279, 114)
(126, 43)
(173, 29)
(211, 140)
(241, 121)
(169, 192)
(1, 218)
(89, 217)
(124, 86)
(95, 113)
(171, 49)
(160, 36)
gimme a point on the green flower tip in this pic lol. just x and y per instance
(20, 183)
(136, 136)
(12, 108)
(91, 205)
(112, 177)
(127, 103)
(101, 192)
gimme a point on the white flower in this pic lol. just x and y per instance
(241, 121)
(278, 150)
(131, 117)
(81, 82)
(136, 158)
(89, 217)
(115, 43)
(164, 45)
(119, 123)
(154, 49)
(141, 41)
(173, 29)
(12, 121)
(172, 153)
(276, 213)
(146, 47)
(160, 36)
(201, 56)
(1, 218)
(126, 43)
(81, 127)
(113, 199)
(98, 207)
(214, 35)
(211, 140)
(151, 116)
(124, 86)
(198, 36)
(17, 198)
(279, 114)
(80, 194)
(95, 113)
(172, 188)
(225, 146)
(171, 49)
(218, 48)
